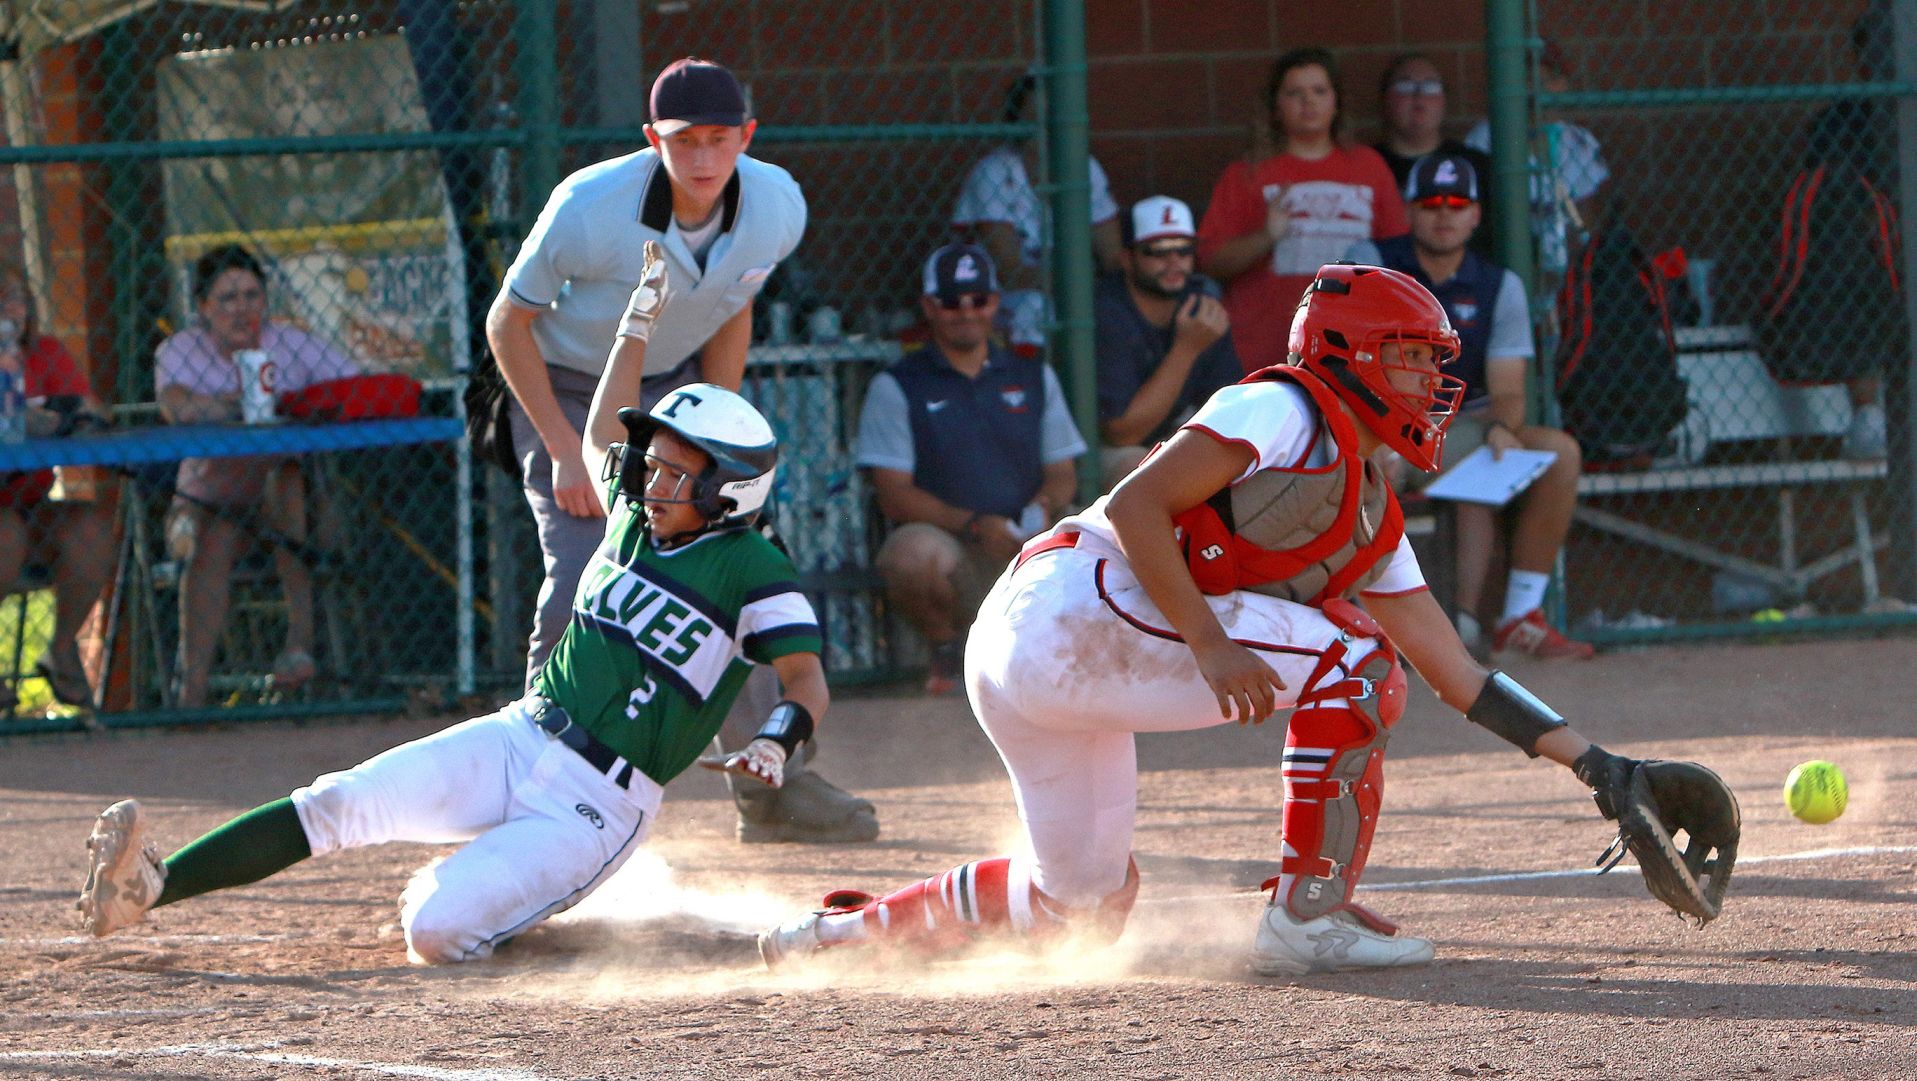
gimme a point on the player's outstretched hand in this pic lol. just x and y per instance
(1246, 687)
(761, 759)
(649, 296)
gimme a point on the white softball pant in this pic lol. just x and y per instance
(544, 828)
(1067, 659)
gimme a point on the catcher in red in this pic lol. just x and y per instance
(1256, 562)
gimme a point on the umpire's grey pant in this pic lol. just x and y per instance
(566, 542)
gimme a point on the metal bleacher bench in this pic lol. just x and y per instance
(1734, 399)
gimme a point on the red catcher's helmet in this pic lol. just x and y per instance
(1346, 317)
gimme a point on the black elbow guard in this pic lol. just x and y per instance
(1512, 713)
(789, 725)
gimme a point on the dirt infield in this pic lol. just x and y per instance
(1542, 970)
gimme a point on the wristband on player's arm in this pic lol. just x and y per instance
(788, 725)
(1513, 714)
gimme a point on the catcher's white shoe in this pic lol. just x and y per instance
(790, 942)
(1336, 942)
(126, 874)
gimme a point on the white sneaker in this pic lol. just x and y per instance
(790, 942)
(125, 876)
(1335, 942)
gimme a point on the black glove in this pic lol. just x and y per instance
(1651, 801)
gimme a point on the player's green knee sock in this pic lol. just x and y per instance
(261, 842)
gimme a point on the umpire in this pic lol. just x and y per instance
(724, 220)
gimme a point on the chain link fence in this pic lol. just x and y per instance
(1716, 206)
(342, 186)
(379, 162)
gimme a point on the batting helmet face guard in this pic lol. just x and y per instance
(1345, 320)
(737, 479)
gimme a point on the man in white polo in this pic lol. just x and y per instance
(724, 220)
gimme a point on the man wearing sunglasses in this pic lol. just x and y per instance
(1412, 93)
(1412, 96)
(1487, 307)
(970, 449)
(1164, 340)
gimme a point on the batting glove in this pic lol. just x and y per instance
(761, 759)
(649, 298)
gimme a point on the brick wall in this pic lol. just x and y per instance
(1174, 91)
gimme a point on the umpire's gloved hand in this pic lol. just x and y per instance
(761, 759)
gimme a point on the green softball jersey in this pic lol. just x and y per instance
(660, 641)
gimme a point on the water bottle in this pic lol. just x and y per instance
(13, 391)
(824, 326)
(779, 323)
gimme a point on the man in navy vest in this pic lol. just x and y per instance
(970, 450)
(1487, 307)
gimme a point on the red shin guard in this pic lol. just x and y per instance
(1334, 774)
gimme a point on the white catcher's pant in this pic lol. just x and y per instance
(1061, 678)
(545, 828)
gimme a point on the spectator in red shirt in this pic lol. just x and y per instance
(75, 537)
(1274, 220)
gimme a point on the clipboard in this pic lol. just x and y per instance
(1493, 482)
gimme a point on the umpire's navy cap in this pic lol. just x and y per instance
(694, 91)
(958, 269)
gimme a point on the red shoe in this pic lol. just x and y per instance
(1529, 633)
(947, 669)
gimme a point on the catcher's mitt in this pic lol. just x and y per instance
(1651, 801)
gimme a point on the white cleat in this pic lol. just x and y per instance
(790, 943)
(1335, 942)
(125, 875)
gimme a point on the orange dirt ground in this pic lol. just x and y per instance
(1812, 973)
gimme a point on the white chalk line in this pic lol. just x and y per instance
(94, 1015)
(258, 1053)
(156, 940)
(1575, 872)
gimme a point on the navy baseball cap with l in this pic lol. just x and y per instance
(691, 92)
(1439, 175)
(957, 270)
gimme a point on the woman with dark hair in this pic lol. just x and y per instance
(199, 382)
(1276, 217)
(73, 535)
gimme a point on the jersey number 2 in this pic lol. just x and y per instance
(640, 696)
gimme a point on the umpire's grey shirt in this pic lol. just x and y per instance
(581, 261)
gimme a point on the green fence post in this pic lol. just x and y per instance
(1504, 46)
(128, 247)
(1900, 379)
(1068, 134)
(538, 103)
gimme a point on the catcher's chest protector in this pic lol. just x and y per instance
(1301, 534)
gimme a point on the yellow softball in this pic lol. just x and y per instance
(1815, 792)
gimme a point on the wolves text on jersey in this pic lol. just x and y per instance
(688, 648)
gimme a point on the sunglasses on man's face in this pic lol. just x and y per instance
(1447, 202)
(965, 301)
(1413, 88)
(1177, 248)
